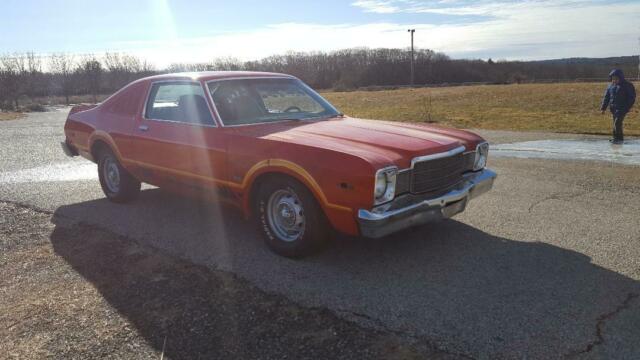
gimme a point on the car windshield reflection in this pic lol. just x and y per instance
(262, 100)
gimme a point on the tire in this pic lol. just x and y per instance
(290, 219)
(117, 183)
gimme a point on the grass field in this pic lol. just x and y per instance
(560, 107)
(9, 115)
(565, 107)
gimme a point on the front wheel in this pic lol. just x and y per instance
(117, 183)
(290, 219)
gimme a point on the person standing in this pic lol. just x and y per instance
(619, 98)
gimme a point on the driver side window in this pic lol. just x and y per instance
(180, 102)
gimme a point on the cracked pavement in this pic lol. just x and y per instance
(600, 340)
(545, 266)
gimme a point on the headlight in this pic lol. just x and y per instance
(385, 185)
(482, 153)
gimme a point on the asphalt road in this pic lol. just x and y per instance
(545, 266)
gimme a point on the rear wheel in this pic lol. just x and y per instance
(290, 219)
(117, 183)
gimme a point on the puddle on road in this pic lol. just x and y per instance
(598, 150)
(590, 149)
(70, 171)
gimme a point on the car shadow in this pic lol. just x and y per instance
(448, 282)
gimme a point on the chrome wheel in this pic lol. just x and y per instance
(111, 174)
(286, 215)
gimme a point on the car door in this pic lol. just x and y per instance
(176, 139)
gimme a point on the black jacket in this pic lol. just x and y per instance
(619, 98)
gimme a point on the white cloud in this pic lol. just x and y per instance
(274, 39)
(377, 6)
(520, 30)
(463, 7)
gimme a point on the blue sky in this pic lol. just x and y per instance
(165, 31)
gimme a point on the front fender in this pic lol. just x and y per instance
(341, 217)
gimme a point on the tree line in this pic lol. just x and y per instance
(29, 76)
(361, 67)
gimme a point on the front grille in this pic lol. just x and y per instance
(470, 159)
(434, 176)
(403, 181)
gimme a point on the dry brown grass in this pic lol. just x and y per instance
(10, 115)
(60, 100)
(566, 107)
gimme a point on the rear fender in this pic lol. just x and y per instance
(82, 107)
(99, 136)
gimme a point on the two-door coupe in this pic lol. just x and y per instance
(273, 146)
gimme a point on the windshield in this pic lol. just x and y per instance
(252, 101)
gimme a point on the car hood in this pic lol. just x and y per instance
(378, 142)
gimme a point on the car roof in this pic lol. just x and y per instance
(214, 75)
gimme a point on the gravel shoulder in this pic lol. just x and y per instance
(73, 290)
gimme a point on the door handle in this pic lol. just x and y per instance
(143, 128)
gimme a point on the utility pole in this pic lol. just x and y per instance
(412, 58)
(639, 61)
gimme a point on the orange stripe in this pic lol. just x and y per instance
(185, 174)
(298, 170)
(245, 183)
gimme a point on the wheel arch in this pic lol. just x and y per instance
(260, 177)
(340, 217)
(101, 140)
(97, 147)
(273, 167)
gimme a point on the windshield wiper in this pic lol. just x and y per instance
(305, 119)
(324, 117)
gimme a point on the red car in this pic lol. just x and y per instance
(274, 147)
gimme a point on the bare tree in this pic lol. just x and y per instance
(184, 67)
(227, 63)
(131, 64)
(34, 82)
(90, 71)
(116, 69)
(146, 68)
(62, 67)
(13, 74)
(121, 69)
(5, 98)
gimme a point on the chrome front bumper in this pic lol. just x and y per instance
(411, 210)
